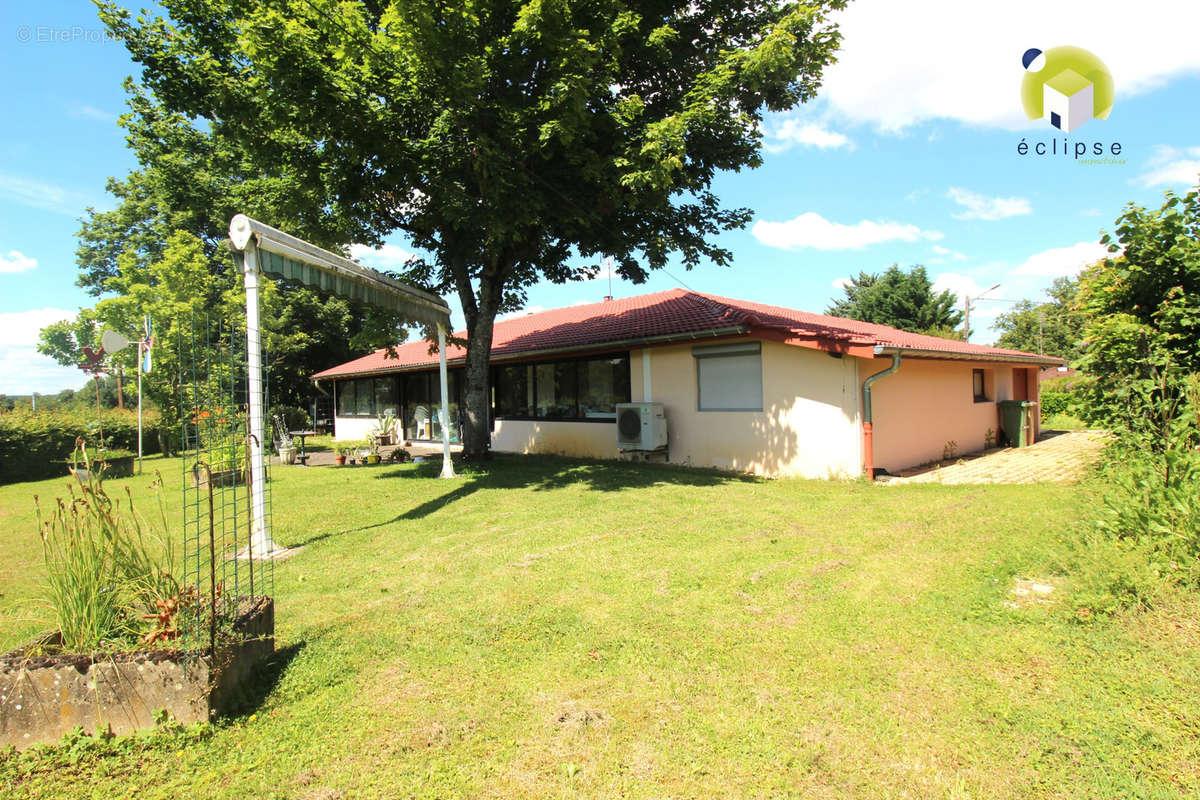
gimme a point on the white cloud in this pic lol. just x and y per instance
(22, 368)
(1171, 165)
(1061, 262)
(1090, 212)
(841, 283)
(791, 132)
(16, 261)
(812, 230)
(979, 206)
(387, 257)
(43, 195)
(86, 111)
(904, 63)
(605, 273)
(961, 285)
(945, 254)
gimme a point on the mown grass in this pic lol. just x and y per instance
(553, 628)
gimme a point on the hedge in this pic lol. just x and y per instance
(1067, 395)
(34, 444)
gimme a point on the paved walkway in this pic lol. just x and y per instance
(1058, 457)
(325, 458)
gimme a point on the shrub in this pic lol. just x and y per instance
(294, 417)
(1150, 496)
(35, 444)
(1066, 396)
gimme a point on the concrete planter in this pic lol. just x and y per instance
(119, 467)
(287, 455)
(220, 478)
(44, 697)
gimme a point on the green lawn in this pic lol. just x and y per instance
(558, 628)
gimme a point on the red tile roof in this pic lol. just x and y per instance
(633, 320)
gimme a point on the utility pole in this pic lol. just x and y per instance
(967, 311)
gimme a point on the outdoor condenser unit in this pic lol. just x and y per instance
(641, 426)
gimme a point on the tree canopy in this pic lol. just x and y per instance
(901, 299)
(1142, 304)
(1053, 328)
(505, 139)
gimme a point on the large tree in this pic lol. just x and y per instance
(1053, 328)
(901, 299)
(506, 139)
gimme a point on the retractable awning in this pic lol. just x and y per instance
(285, 256)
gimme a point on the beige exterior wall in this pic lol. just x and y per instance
(352, 428)
(808, 426)
(583, 439)
(929, 403)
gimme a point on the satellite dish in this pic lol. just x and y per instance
(113, 342)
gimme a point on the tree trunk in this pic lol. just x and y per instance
(481, 316)
(120, 394)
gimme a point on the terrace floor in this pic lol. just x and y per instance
(1057, 457)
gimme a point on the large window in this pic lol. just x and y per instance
(729, 377)
(366, 397)
(578, 389)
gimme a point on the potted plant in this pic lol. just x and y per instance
(384, 431)
(340, 456)
(283, 442)
(371, 451)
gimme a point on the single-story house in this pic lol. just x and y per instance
(744, 386)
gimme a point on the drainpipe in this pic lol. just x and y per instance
(868, 433)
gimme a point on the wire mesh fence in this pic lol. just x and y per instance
(225, 581)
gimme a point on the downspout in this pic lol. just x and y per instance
(868, 433)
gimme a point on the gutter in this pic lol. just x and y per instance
(868, 426)
(916, 352)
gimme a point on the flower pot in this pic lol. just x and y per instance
(340, 460)
(373, 458)
(287, 455)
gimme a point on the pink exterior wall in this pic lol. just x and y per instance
(931, 402)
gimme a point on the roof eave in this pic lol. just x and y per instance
(616, 344)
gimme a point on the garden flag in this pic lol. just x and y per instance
(147, 343)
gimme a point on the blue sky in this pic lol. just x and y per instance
(908, 156)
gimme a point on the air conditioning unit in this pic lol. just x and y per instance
(641, 426)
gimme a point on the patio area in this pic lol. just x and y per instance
(1057, 457)
(427, 450)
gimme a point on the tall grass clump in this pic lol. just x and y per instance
(107, 573)
(1146, 531)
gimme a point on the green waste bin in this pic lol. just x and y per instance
(1016, 419)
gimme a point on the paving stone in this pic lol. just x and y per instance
(1058, 457)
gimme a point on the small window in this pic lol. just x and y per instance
(980, 385)
(729, 377)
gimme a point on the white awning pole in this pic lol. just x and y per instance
(139, 372)
(262, 545)
(447, 465)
